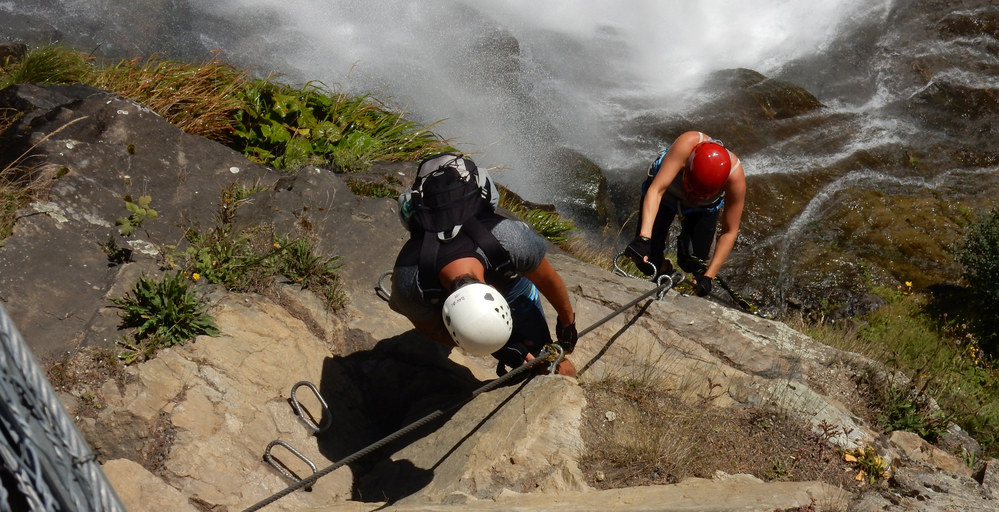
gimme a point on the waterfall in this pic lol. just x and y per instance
(582, 66)
(907, 92)
(507, 77)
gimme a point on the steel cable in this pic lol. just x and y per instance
(666, 283)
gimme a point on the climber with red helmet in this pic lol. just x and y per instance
(697, 179)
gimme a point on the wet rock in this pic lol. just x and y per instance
(970, 24)
(11, 53)
(753, 95)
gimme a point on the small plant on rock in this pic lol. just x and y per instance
(140, 211)
(872, 467)
(245, 259)
(163, 313)
(904, 409)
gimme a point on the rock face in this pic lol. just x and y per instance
(188, 429)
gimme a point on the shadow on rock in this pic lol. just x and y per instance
(374, 394)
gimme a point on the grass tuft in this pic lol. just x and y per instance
(51, 64)
(199, 99)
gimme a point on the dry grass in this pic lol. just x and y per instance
(22, 180)
(587, 251)
(639, 435)
(83, 374)
(198, 99)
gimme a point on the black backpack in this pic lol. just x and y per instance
(447, 196)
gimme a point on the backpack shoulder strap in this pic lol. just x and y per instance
(430, 284)
(500, 262)
(499, 258)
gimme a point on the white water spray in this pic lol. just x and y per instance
(509, 78)
(574, 61)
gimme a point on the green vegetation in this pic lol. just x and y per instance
(166, 313)
(163, 313)
(245, 258)
(139, 213)
(271, 123)
(53, 64)
(979, 255)
(201, 99)
(372, 189)
(903, 408)
(871, 466)
(546, 222)
(287, 127)
(936, 371)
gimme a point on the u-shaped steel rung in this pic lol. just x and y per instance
(327, 418)
(381, 290)
(626, 274)
(281, 467)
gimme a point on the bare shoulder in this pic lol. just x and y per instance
(690, 138)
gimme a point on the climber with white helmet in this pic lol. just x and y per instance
(697, 179)
(475, 280)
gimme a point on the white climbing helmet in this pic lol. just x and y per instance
(478, 318)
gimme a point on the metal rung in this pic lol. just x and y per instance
(281, 467)
(327, 418)
(625, 273)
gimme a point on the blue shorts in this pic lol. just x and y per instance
(530, 326)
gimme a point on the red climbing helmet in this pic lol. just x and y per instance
(708, 167)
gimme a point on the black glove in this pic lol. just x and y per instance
(702, 285)
(510, 356)
(639, 249)
(567, 336)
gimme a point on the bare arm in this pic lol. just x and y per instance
(553, 288)
(675, 159)
(735, 198)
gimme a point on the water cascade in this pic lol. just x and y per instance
(521, 85)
